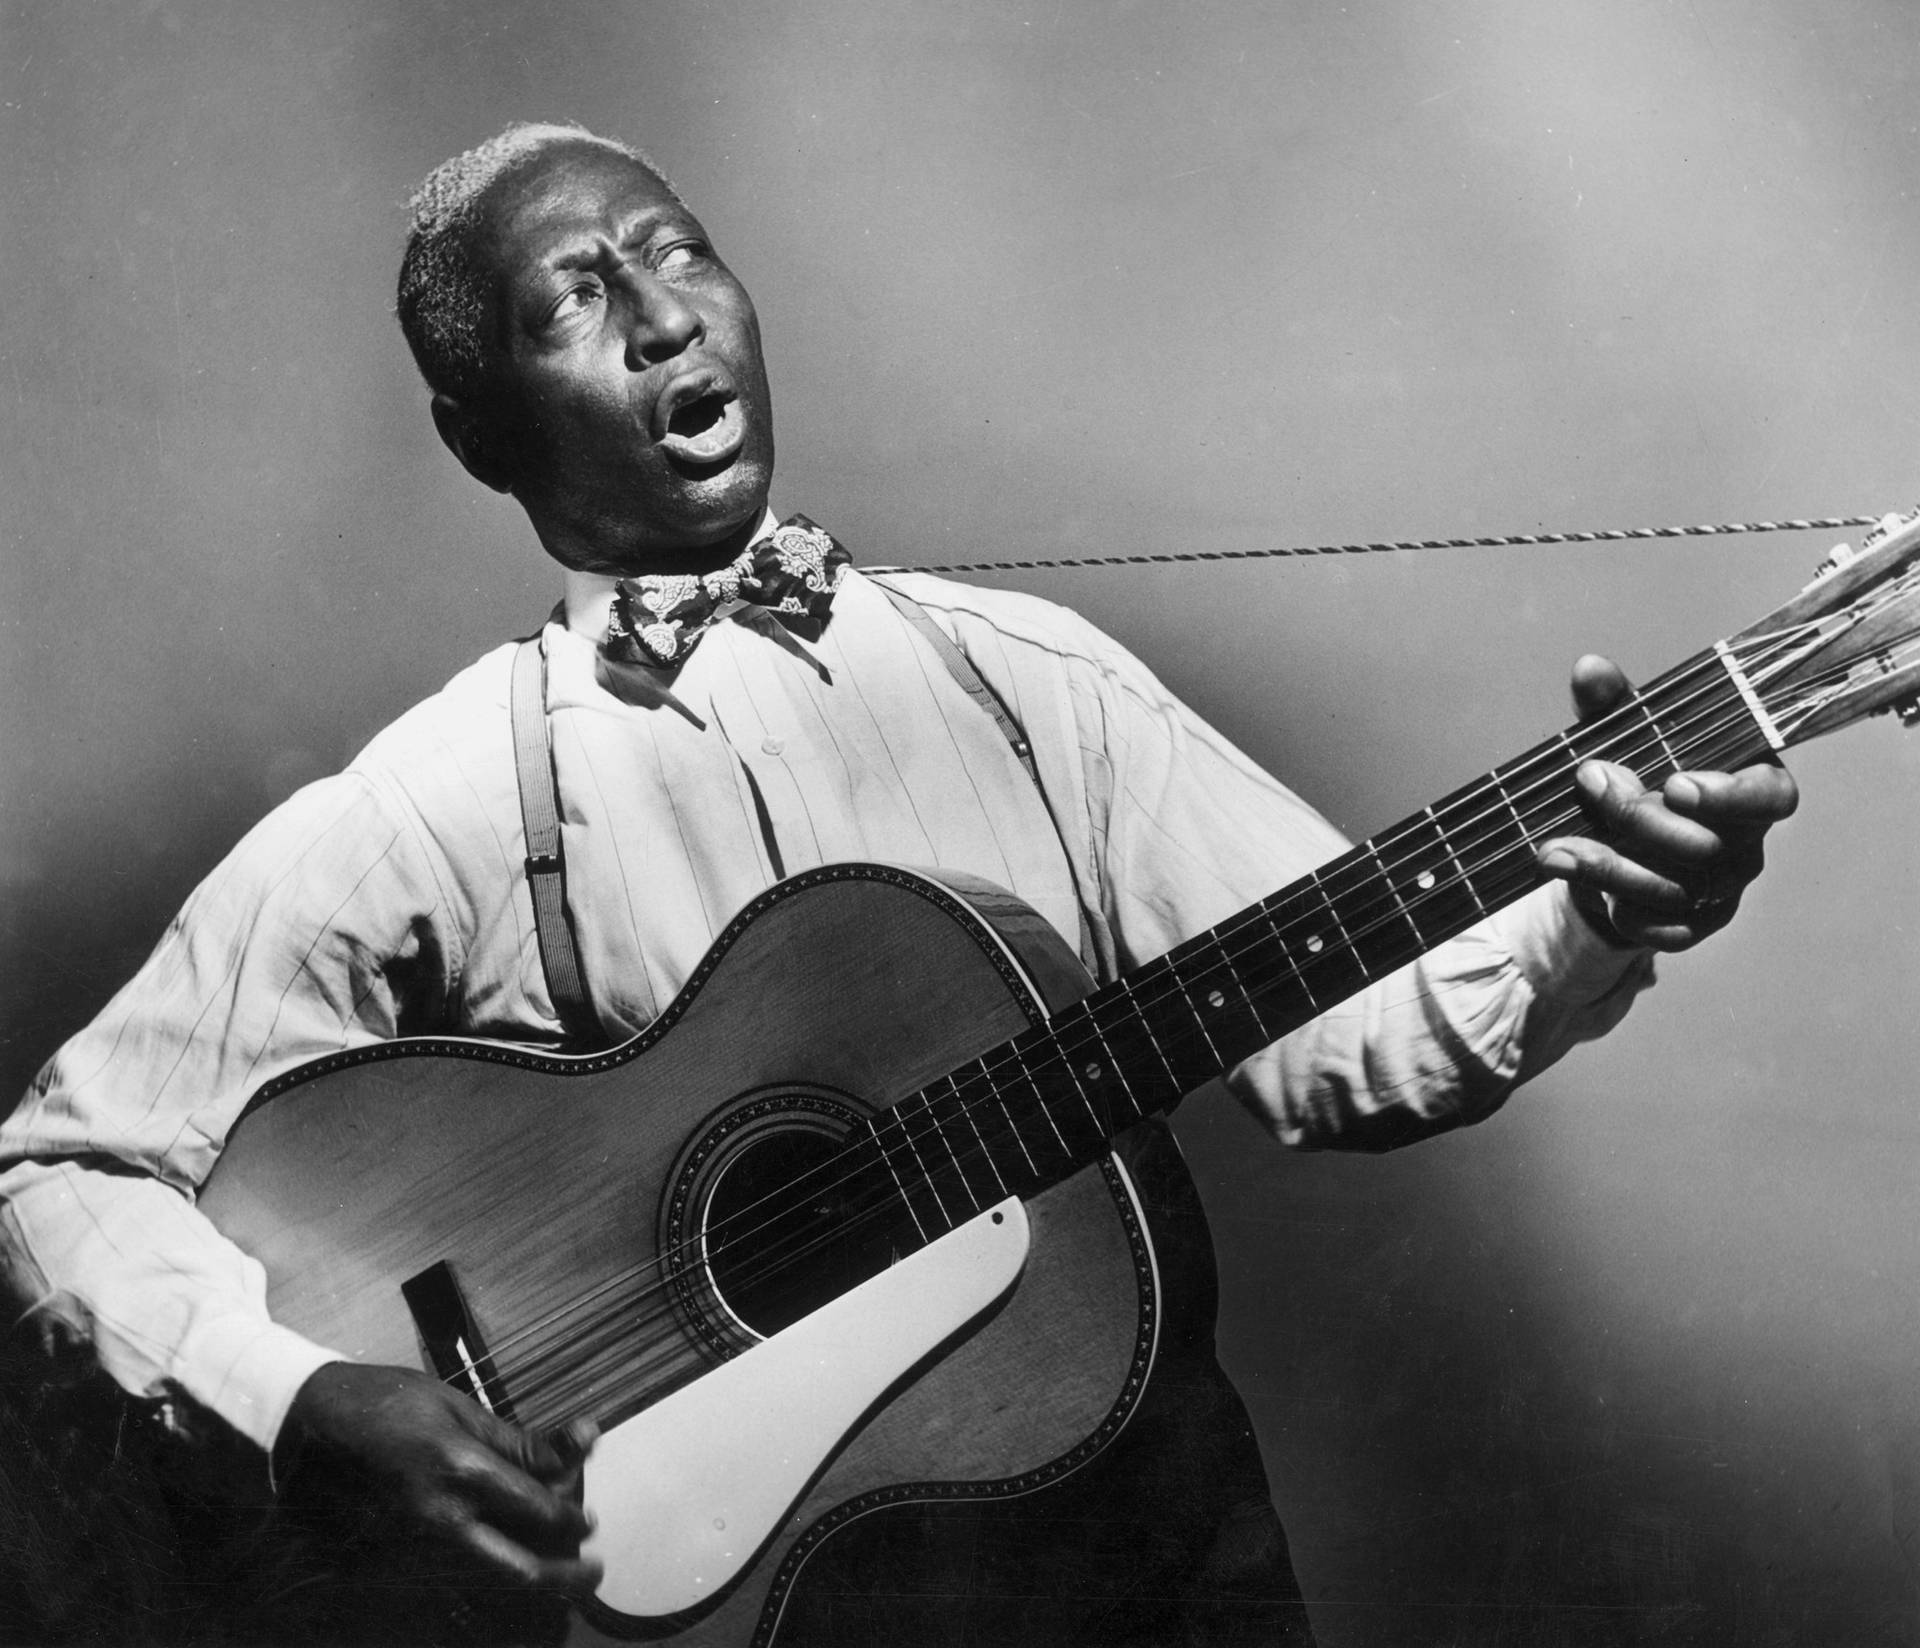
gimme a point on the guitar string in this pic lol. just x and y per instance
(960, 1174)
(690, 1362)
(933, 1131)
(1393, 914)
(595, 1374)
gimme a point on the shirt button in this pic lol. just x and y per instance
(772, 746)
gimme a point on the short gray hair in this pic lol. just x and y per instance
(444, 295)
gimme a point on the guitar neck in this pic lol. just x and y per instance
(1035, 1109)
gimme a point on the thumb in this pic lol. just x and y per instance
(1599, 685)
(527, 1449)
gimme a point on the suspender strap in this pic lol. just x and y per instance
(540, 809)
(546, 870)
(960, 667)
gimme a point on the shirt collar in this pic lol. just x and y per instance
(589, 595)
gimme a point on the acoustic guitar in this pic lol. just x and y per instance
(844, 1228)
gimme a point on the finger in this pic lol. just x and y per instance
(573, 1443)
(531, 1451)
(1599, 686)
(499, 1491)
(1745, 804)
(1638, 820)
(1628, 882)
(574, 1575)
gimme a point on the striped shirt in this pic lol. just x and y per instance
(391, 899)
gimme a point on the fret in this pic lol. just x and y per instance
(1218, 997)
(876, 1128)
(1178, 1037)
(1591, 743)
(1215, 1058)
(1057, 1094)
(954, 1101)
(1107, 1070)
(955, 1138)
(1086, 1072)
(905, 1123)
(1102, 1083)
(1399, 901)
(1137, 1020)
(1333, 912)
(1454, 872)
(1286, 998)
(1433, 885)
(1660, 733)
(1293, 975)
(999, 1099)
(1498, 780)
(1130, 1039)
(1327, 969)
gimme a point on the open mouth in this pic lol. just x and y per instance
(706, 429)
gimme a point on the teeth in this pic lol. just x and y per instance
(704, 430)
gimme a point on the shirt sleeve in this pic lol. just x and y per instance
(1186, 830)
(318, 932)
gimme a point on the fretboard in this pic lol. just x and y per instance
(1033, 1110)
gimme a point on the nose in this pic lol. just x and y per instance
(660, 323)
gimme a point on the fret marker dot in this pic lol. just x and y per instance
(1216, 999)
(1093, 1071)
(1425, 882)
(1316, 944)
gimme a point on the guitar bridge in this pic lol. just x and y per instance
(452, 1340)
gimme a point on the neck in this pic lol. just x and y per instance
(589, 595)
(1029, 1112)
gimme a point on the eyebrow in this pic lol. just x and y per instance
(639, 226)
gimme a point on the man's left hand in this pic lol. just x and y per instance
(1666, 867)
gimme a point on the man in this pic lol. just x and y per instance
(590, 355)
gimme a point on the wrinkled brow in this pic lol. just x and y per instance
(635, 229)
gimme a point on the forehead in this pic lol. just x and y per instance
(566, 200)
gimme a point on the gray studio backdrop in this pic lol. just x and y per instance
(1634, 1362)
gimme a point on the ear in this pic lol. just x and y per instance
(482, 456)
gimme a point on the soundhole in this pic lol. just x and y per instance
(793, 1219)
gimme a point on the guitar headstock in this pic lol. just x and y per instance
(1848, 645)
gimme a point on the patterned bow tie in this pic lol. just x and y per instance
(794, 571)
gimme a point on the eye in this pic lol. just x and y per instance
(684, 254)
(574, 300)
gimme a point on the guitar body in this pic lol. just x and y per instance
(536, 1179)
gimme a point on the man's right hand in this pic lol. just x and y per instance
(430, 1462)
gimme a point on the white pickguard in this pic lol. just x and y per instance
(687, 1491)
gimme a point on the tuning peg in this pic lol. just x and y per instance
(1890, 523)
(1836, 558)
(1908, 709)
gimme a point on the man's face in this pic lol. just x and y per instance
(628, 385)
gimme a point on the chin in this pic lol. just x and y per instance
(716, 506)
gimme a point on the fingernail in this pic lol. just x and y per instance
(1684, 788)
(1556, 861)
(1592, 780)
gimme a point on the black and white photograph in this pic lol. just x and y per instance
(988, 825)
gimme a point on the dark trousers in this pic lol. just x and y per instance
(1167, 1537)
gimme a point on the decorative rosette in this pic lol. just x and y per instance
(794, 572)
